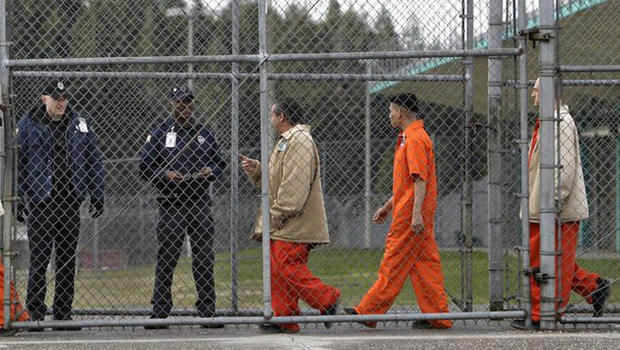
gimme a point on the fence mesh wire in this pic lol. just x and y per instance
(152, 219)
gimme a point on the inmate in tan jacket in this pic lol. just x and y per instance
(295, 190)
(571, 190)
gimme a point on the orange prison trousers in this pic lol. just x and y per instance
(416, 256)
(572, 277)
(291, 280)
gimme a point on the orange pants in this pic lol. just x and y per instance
(572, 277)
(416, 256)
(291, 280)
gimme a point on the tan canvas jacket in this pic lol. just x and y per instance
(571, 190)
(295, 189)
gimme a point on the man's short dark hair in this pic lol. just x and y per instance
(290, 109)
(407, 100)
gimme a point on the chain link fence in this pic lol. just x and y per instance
(171, 93)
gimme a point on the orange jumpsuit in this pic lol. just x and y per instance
(407, 253)
(291, 280)
(572, 277)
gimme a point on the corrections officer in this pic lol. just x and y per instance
(59, 166)
(180, 156)
(410, 247)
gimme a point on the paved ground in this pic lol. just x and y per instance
(473, 335)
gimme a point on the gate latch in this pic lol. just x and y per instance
(534, 35)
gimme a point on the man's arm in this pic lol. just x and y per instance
(568, 158)
(215, 162)
(96, 169)
(150, 160)
(417, 222)
(22, 161)
(251, 168)
(384, 211)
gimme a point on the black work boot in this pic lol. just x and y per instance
(332, 310)
(520, 324)
(600, 296)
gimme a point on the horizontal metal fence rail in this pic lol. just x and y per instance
(573, 82)
(611, 309)
(589, 320)
(588, 69)
(230, 76)
(371, 55)
(500, 315)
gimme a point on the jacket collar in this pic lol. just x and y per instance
(39, 114)
(172, 122)
(292, 131)
(416, 124)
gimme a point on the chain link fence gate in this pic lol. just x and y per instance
(340, 61)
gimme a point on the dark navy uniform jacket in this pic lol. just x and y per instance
(35, 157)
(194, 148)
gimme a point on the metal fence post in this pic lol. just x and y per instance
(467, 203)
(367, 147)
(525, 209)
(7, 153)
(234, 161)
(617, 133)
(494, 145)
(547, 72)
(264, 155)
(96, 251)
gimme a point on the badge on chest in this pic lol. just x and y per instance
(82, 127)
(171, 139)
(281, 147)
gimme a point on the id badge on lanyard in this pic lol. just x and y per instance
(171, 139)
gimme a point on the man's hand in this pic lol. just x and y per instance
(174, 176)
(96, 208)
(277, 222)
(381, 215)
(417, 224)
(21, 213)
(205, 172)
(249, 165)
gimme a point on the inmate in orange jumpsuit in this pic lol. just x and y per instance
(407, 253)
(573, 277)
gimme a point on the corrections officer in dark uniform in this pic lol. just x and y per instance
(59, 166)
(180, 157)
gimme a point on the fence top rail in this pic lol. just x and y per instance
(108, 61)
(229, 76)
(572, 82)
(589, 69)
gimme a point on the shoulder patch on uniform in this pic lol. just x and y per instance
(282, 145)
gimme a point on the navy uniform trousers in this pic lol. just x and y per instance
(176, 218)
(53, 224)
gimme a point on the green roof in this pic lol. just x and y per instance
(565, 11)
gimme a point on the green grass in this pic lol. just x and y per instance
(353, 271)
